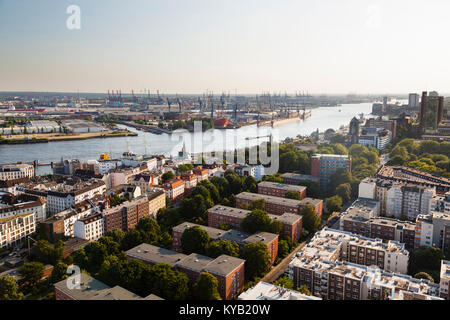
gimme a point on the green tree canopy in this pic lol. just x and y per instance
(311, 220)
(217, 248)
(344, 191)
(32, 272)
(292, 195)
(284, 282)
(334, 203)
(167, 176)
(423, 275)
(257, 259)
(194, 240)
(206, 287)
(9, 289)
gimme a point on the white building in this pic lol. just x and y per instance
(375, 137)
(409, 200)
(413, 100)
(61, 200)
(15, 229)
(90, 228)
(16, 171)
(367, 188)
(267, 291)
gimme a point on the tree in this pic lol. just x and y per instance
(423, 275)
(344, 191)
(292, 195)
(426, 259)
(257, 259)
(167, 283)
(132, 239)
(304, 290)
(257, 220)
(225, 226)
(334, 203)
(167, 176)
(284, 282)
(32, 272)
(59, 272)
(117, 235)
(112, 247)
(194, 240)
(341, 176)
(283, 249)
(311, 220)
(259, 204)
(150, 230)
(206, 287)
(96, 253)
(165, 240)
(217, 248)
(9, 289)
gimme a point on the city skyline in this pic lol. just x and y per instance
(358, 47)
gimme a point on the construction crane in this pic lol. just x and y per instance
(168, 103)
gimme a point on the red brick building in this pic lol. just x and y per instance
(218, 215)
(127, 215)
(279, 189)
(278, 205)
(229, 271)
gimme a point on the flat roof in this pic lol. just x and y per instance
(279, 185)
(195, 262)
(155, 254)
(93, 289)
(267, 291)
(224, 265)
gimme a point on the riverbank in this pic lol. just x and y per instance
(45, 138)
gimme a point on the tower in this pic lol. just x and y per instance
(354, 131)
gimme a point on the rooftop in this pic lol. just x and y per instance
(155, 254)
(267, 291)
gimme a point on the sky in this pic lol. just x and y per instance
(237, 46)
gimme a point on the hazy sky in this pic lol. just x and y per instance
(188, 46)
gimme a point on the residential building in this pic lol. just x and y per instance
(375, 137)
(156, 200)
(280, 189)
(16, 171)
(89, 288)
(127, 215)
(383, 123)
(67, 195)
(14, 229)
(324, 166)
(190, 181)
(218, 215)
(270, 239)
(295, 178)
(229, 271)
(277, 205)
(444, 291)
(354, 131)
(267, 291)
(89, 228)
(416, 177)
(13, 205)
(413, 100)
(174, 188)
(431, 113)
(409, 200)
(201, 173)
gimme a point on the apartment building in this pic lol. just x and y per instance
(277, 205)
(279, 189)
(444, 292)
(127, 215)
(380, 228)
(348, 281)
(296, 179)
(201, 173)
(433, 230)
(89, 228)
(10, 186)
(89, 288)
(16, 171)
(267, 291)
(12, 205)
(190, 181)
(324, 166)
(269, 239)
(14, 229)
(67, 195)
(334, 245)
(218, 215)
(229, 271)
(413, 176)
(409, 200)
(156, 200)
(145, 181)
(174, 188)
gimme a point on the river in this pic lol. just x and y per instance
(322, 118)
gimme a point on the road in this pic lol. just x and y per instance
(278, 270)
